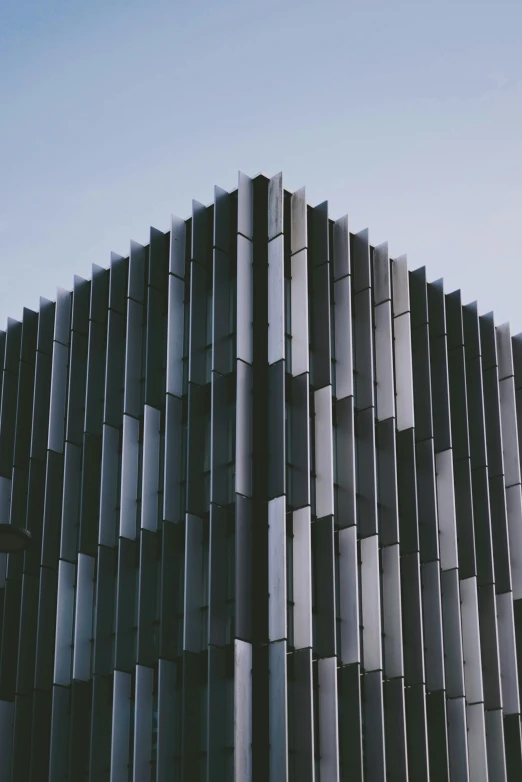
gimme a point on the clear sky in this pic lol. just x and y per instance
(406, 116)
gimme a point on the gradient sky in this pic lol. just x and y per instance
(406, 116)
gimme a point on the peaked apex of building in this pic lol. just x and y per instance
(278, 197)
(272, 481)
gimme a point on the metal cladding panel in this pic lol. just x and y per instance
(58, 397)
(173, 460)
(414, 667)
(471, 641)
(175, 336)
(374, 740)
(422, 403)
(276, 300)
(400, 286)
(451, 619)
(343, 349)
(200, 233)
(133, 358)
(125, 606)
(121, 722)
(341, 248)
(83, 618)
(177, 249)
(6, 737)
(457, 739)
(129, 477)
(489, 647)
(507, 648)
(155, 327)
(109, 523)
(218, 581)
(244, 428)
(104, 611)
(407, 495)
(417, 730)
(433, 639)
(298, 221)
(302, 578)
(167, 712)
(403, 371)
(62, 322)
(221, 222)
(100, 733)
(276, 414)
(197, 454)
(245, 206)
(324, 485)
(385, 394)
(478, 762)
(363, 343)
(371, 604)
(219, 712)
(59, 734)
(115, 368)
(437, 735)
(277, 569)
(439, 367)
(221, 440)
(27, 638)
(514, 514)
(243, 570)
(299, 313)
(392, 614)
(192, 630)
(242, 710)
(367, 520)
(221, 295)
(99, 295)
(245, 299)
(301, 715)
(151, 468)
(278, 711)
(321, 325)
(381, 274)
(387, 494)
(95, 377)
(395, 730)
(328, 720)
(136, 279)
(275, 206)
(143, 724)
(323, 568)
(198, 324)
(350, 722)
(70, 505)
(147, 598)
(446, 510)
(360, 260)
(495, 743)
(64, 623)
(298, 437)
(349, 648)
(273, 484)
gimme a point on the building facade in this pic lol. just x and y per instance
(274, 489)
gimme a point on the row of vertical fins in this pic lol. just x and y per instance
(274, 490)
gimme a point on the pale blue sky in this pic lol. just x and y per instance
(407, 116)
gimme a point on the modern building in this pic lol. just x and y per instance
(273, 483)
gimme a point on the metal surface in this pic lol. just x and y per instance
(271, 481)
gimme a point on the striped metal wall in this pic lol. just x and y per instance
(273, 482)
